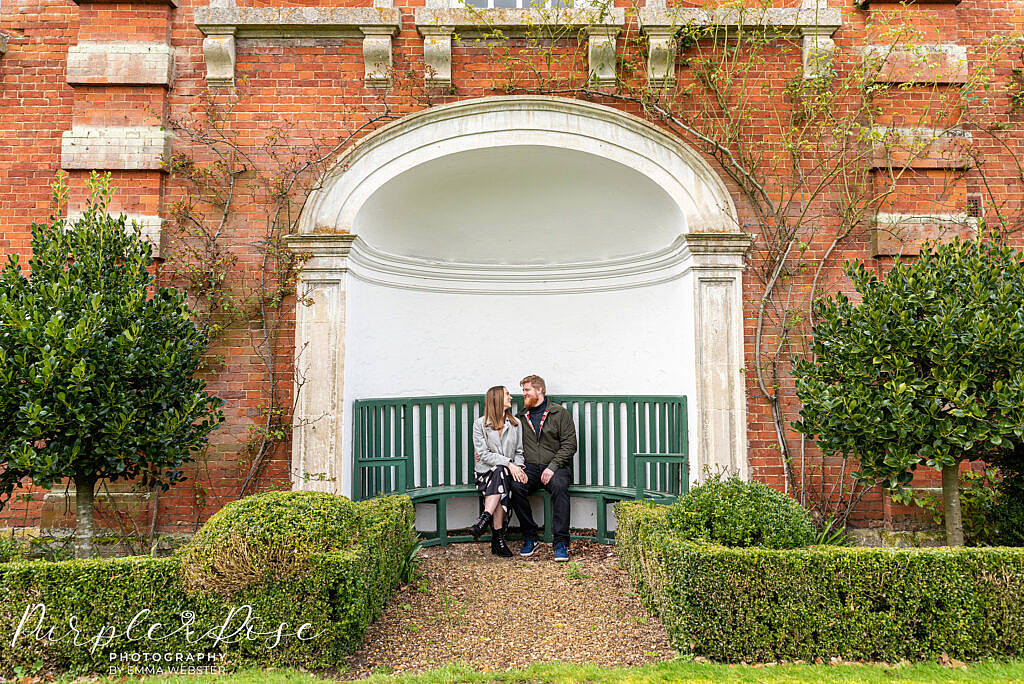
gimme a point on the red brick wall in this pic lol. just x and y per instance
(315, 89)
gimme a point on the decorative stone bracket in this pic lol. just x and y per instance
(439, 25)
(601, 54)
(813, 22)
(437, 54)
(222, 26)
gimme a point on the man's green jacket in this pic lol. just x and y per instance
(557, 442)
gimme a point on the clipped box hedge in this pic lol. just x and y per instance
(745, 604)
(338, 593)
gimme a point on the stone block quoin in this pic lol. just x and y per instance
(115, 147)
(120, 63)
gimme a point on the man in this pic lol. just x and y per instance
(549, 442)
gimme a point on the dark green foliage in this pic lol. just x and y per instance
(96, 372)
(273, 531)
(731, 512)
(928, 369)
(853, 603)
(979, 497)
(10, 549)
(339, 592)
(1007, 512)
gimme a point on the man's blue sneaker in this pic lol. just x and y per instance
(561, 551)
(529, 548)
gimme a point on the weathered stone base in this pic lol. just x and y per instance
(107, 545)
(899, 539)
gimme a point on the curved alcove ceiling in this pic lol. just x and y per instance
(519, 205)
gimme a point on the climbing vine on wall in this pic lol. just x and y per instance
(805, 156)
(237, 198)
(813, 167)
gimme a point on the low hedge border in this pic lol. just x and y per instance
(739, 604)
(339, 595)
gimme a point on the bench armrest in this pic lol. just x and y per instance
(641, 460)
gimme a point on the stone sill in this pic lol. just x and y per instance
(296, 22)
(780, 19)
(514, 21)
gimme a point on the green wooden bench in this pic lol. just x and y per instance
(630, 447)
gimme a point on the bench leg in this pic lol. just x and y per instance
(442, 521)
(602, 520)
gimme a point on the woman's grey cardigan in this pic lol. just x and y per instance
(497, 449)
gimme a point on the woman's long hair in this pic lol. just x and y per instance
(495, 412)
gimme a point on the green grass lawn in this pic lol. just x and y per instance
(672, 671)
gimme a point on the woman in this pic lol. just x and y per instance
(498, 442)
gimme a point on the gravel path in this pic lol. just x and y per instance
(494, 613)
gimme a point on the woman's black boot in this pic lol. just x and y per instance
(499, 547)
(481, 525)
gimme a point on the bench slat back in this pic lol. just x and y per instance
(419, 442)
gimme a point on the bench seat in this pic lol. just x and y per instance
(603, 496)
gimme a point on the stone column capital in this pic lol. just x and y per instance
(717, 250)
(325, 254)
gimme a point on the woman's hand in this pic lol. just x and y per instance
(518, 474)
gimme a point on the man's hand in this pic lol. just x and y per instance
(546, 476)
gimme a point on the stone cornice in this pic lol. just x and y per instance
(826, 20)
(718, 243)
(512, 22)
(865, 4)
(296, 22)
(321, 244)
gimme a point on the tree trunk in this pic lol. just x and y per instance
(951, 505)
(84, 486)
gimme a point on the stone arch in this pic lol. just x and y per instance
(521, 120)
(346, 244)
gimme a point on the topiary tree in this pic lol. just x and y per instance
(96, 370)
(273, 534)
(926, 370)
(732, 512)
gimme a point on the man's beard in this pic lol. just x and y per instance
(530, 402)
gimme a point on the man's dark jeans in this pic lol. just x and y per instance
(559, 488)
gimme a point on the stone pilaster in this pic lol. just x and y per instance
(716, 262)
(319, 361)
